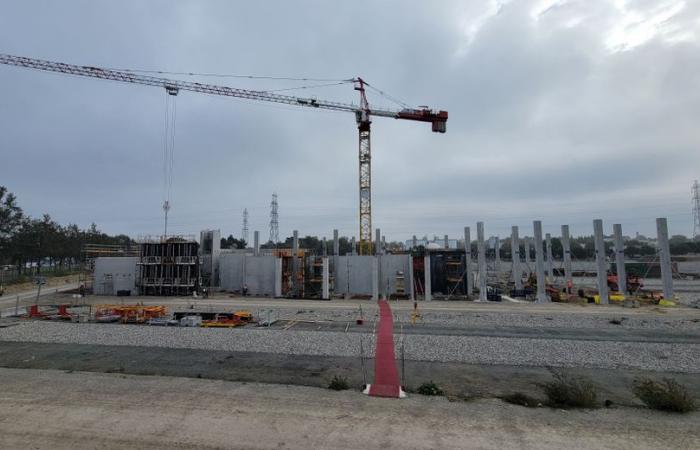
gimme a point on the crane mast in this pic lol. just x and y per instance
(363, 113)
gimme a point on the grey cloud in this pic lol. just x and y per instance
(545, 120)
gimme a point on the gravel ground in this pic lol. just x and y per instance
(505, 319)
(501, 319)
(468, 349)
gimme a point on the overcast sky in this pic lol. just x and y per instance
(562, 111)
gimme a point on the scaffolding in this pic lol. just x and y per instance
(168, 266)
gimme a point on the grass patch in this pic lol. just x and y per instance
(338, 383)
(570, 391)
(518, 398)
(429, 388)
(667, 395)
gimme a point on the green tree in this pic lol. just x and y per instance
(11, 216)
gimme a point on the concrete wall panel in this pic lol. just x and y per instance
(259, 273)
(114, 274)
(353, 275)
(232, 271)
(389, 265)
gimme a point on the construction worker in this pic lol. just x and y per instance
(245, 289)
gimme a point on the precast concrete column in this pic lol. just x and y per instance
(325, 283)
(469, 281)
(375, 278)
(336, 254)
(566, 249)
(383, 245)
(278, 277)
(550, 261)
(447, 242)
(515, 252)
(664, 257)
(601, 265)
(526, 245)
(539, 263)
(295, 263)
(427, 288)
(411, 289)
(481, 260)
(497, 260)
(354, 250)
(325, 247)
(256, 243)
(620, 259)
(378, 252)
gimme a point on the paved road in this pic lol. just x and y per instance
(8, 302)
(57, 410)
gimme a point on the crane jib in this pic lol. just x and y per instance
(437, 119)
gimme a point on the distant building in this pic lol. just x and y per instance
(440, 241)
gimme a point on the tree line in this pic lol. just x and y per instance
(28, 243)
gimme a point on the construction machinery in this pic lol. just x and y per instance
(363, 114)
(634, 283)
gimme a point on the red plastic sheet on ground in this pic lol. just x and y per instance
(386, 375)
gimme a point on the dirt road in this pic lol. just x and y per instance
(57, 410)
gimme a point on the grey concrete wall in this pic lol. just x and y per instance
(122, 271)
(258, 272)
(388, 266)
(232, 271)
(689, 267)
(354, 275)
(260, 275)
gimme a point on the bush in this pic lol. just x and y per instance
(569, 391)
(429, 389)
(338, 383)
(521, 399)
(669, 395)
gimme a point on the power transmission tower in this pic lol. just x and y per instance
(274, 220)
(696, 210)
(244, 234)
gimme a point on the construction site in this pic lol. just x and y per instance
(477, 318)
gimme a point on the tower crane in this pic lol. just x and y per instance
(363, 114)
